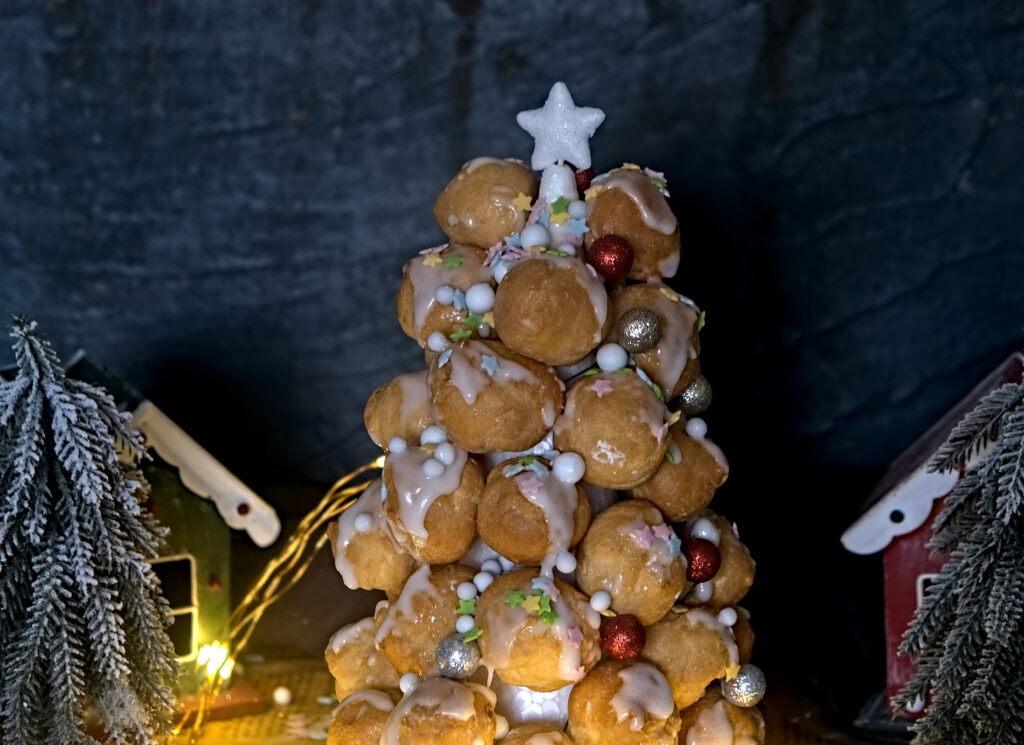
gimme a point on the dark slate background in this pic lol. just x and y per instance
(216, 200)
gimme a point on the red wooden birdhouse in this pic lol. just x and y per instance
(897, 520)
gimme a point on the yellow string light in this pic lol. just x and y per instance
(281, 574)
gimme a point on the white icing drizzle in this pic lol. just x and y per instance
(711, 728)
(415, 393)
(594, 286)
(367, 506)
(370, 697)
(675, 348)
(469, 377)
(644, 692)
(440, 696)
(418, 583)
(705, 618)
(426, 280)
(717, 454)
(654, 210)
(416, 491)
(669, 265)
(347, 634)
(558, 502)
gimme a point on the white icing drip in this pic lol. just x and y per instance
(426, 280)
(711, 728)
(417, 584)
(376, 699)
(644, 692)
(669, 265)
(705, 618)
(660, 557)
(470, 379)
(415, 393)
(558, 502)
(654, 210)
(717, 454)
(548, 415)
(675, 347)
(347, 634)
(367, 506)
(416, 491)
(441, 697)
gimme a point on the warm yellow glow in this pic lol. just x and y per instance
(215, 657)
(379, 463)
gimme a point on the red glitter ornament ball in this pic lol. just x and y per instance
(623, 637)
(611, 256)
(583, 178)
(703, 559)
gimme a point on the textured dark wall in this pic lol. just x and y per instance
(216, 200)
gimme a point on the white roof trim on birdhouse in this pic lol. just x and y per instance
(910, 503)
(238, 505)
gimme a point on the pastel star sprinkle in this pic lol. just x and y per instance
(601, 387)
(662, 430)
(559, 217)
(662, 531)
(593, 191)
(674, 417)
(532, 603)
(674, 544)
(522, 202)
(670, 294)
(488, 318)
(467, 607)
(574, 636)
(515, 598)
(559, 205)
(489, 364)
(432, 260)
(650, 173)
(701, 320)
(530, 486)
(493, 253)
(445, 356)
(578, 226)
(561, 130)
(535, 212)
(460, 335)
(630, 167)
(453, 261)
(643, 536)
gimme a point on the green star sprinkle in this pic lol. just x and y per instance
(657, 391)
(474, 633)
(452, 261)
(559, 205)
(700, 321)
(527, 460)
(473, 320)
(592, 371)
(467, 607)
(546, 614)
(515, 598)
(463, 333)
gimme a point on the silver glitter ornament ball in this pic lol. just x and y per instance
(696, 397)
(455, 658)
(639, 329)
(747, 688)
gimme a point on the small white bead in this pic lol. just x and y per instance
(567, 248)
(704, 528)
(445, 295)
(363, 523)
(397, 445)
(445, 453)
(433, 435)
(483, 330)
(727, 617)
(568, 467)
(464, 624)
(282, 696)
(432, 468)
(483, 580)
(611, 357)
(408, 682)
(565, 562)
(500, 269)
(491, 565)
(704, 592)
(578, 209)
(535, 234)
(437, 342)
(696, 428)
(466, 591)
(480, 298)
(600, 601)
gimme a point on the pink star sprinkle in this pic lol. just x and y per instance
(662, 531)
(650, 173)
(662, 431)
(644, 537)
(601, 387)
(433, 250)
(536, 209)
(575, 637)
(493, 252)
(551, 591)
(530, 486)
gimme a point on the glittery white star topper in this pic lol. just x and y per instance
(561, 130)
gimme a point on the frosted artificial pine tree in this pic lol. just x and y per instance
(967, 634)
(82, 620)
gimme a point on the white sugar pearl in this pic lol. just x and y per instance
(600, 601)
(282, 696)
(704, 592)
(578, 209)
(466, 591)
(480, 298)
(535, 234)
(567, 248)
(611, 357)
(363, 523)
(501, 727)
(445, 453)
(483, 580)
(696, 428)
(465, 624)
(397, 445)
(445, 295)
(408, 682)
(565, 562)
(437, 342)
(500, 269)
(704, 528)
(727, 617)
(484, 330)
(432, 468)
(568, 467)
(491, 565)
(433, 435)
